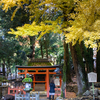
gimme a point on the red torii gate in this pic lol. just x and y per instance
(36, 70)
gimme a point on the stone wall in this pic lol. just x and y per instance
(88, 95)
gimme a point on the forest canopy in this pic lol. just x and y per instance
(82, 19)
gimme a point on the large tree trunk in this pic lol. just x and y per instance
(79, 67)
(98, 66)
(66, 61)
(66, 70)
(87, 54)
(63, 87)
(90, 59)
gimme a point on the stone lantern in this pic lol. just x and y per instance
(27, 88)
(4, 86)
(4, 83)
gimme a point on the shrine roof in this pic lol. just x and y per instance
(54, 66)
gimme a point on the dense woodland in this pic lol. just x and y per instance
(65, 31)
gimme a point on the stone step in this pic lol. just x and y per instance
(42, 93)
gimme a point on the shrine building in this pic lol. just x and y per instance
(41, 72)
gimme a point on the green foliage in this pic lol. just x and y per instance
(54, 45)
(61, 93)
(3, 78)
(6, 23)
(12, 52)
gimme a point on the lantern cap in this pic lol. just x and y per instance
(27, 79)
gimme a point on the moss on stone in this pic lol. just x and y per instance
(38, 63)
(27, 80)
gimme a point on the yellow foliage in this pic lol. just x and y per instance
(85, 25)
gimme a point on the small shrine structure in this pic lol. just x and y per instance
(41, 71)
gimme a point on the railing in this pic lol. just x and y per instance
(58, 91)
(16, 90)
(28, 96)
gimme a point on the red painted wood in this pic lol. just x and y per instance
(47, 79)
(17, 89)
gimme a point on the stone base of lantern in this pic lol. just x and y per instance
(27, 94)
(0, 93)
(4, 90)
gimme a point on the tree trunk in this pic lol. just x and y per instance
(90, 59)
(79, 68)
(46, 49)
(3, 66)
(41, 47)
(32, 41)
(45, 44)
(66, 70)
(87, 54)
(66, 61)
(63, 87)
(98, 66)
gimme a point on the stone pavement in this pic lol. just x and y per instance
(43, 98)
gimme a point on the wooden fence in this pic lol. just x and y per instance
(15, 90)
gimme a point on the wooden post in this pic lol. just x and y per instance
(25, 73)
(65, 93)
(13, 91)
(47, 80)
(60, 81)
(8, 90)
(34, 82)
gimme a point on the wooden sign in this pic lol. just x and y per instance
(92, 77)
(56, 81)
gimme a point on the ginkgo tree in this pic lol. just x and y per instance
(84, 26)
(38, 10)
(79, 20)
(86, 23)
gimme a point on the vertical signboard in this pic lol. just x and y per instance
(92, 77)
(57, 81)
